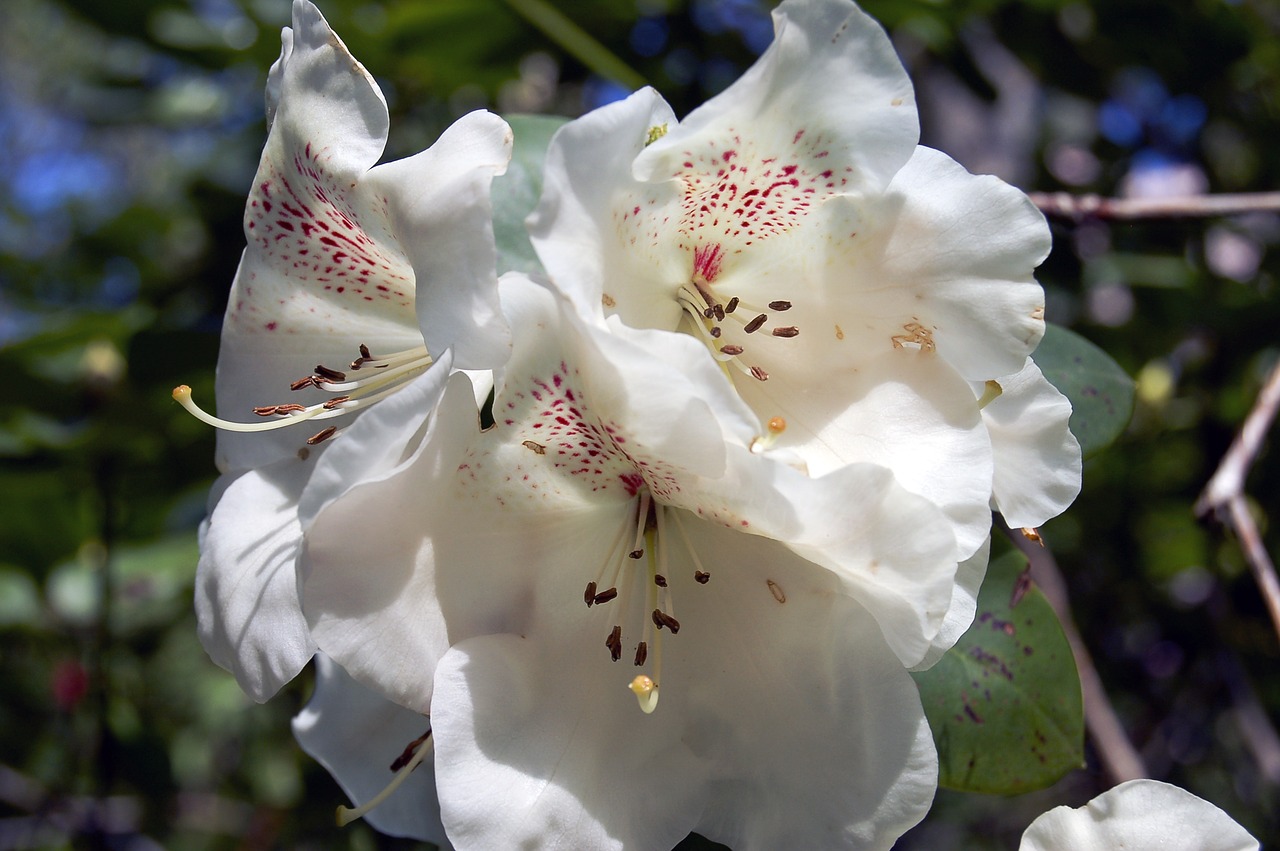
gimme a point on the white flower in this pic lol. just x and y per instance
(347, 262)
(613, 537)
(1140, 815)
(850, 282)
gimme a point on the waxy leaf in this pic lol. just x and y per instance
(516, 193)
(1101, 393)
(1004, 703)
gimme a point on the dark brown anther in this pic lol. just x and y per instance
(642, 653)
(589, 596)
(301, 383)
(290, 408)
(660, 580)
(635, 554)
(719, 312)
(605, 596)
(715, 331)
(331, 374)
(754, 325)
(322, 436)
(731, 349)
(614, 643)
(786, 331)
(708, 313)
(335, 402)
(266, 410)
(701, 577)
(732, 305)
(779, 305)
(409, 750)
(759, 374)
(364, 352)
(661, 619)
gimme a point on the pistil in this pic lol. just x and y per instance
(345, 815)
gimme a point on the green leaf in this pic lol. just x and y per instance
(1004, 703)
(1101, 393)
(516, 193)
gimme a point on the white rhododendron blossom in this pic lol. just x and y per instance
(1140, 815)
(352, 275)
(850, 283)
(537, 585)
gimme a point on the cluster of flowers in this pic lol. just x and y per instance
(737, 448)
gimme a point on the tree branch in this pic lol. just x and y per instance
(1120, 759)
(1078, 208)
(1223, 497)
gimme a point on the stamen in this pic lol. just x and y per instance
(786, 331)
(614, 643)
(589, 596)
(661, 619)
(754, 325)
(715, 331)
(701, 577)
(642, 653)
(779, 305)
(660, 580)
(731, 349)
(759, 374)
(399, 369)
(605, 596)
(719, 312)
(345, 815)
(646, 691)
(322, 436)
(732, 305)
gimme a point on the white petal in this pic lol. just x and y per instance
(814, 729)
(541, 744)
(1038, 466)
(356, 734)
(830, 74)
(247, 606)
(1141, 815)
(583, 225)
(947, 257)
(964, 605)
(444, 223)
(902, 409)
(891, 550)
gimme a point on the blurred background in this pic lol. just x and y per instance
(129, 134)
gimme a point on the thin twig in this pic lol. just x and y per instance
(1120, 758)
(1223, 496)
(1080, 207)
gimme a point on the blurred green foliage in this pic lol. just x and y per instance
(129, 132)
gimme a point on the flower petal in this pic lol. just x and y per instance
(814, 728)
(582, 226)
(443, 218)
(1037, 458)
(902, 409)
(356, 734)
(943, 258)
(1140, 815)
(964, 605)
(540, 744)
(826, 55)
(247, 607)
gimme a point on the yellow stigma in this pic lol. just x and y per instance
(646, 691)
(990, 394)
(777, 426)
(656, 132)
